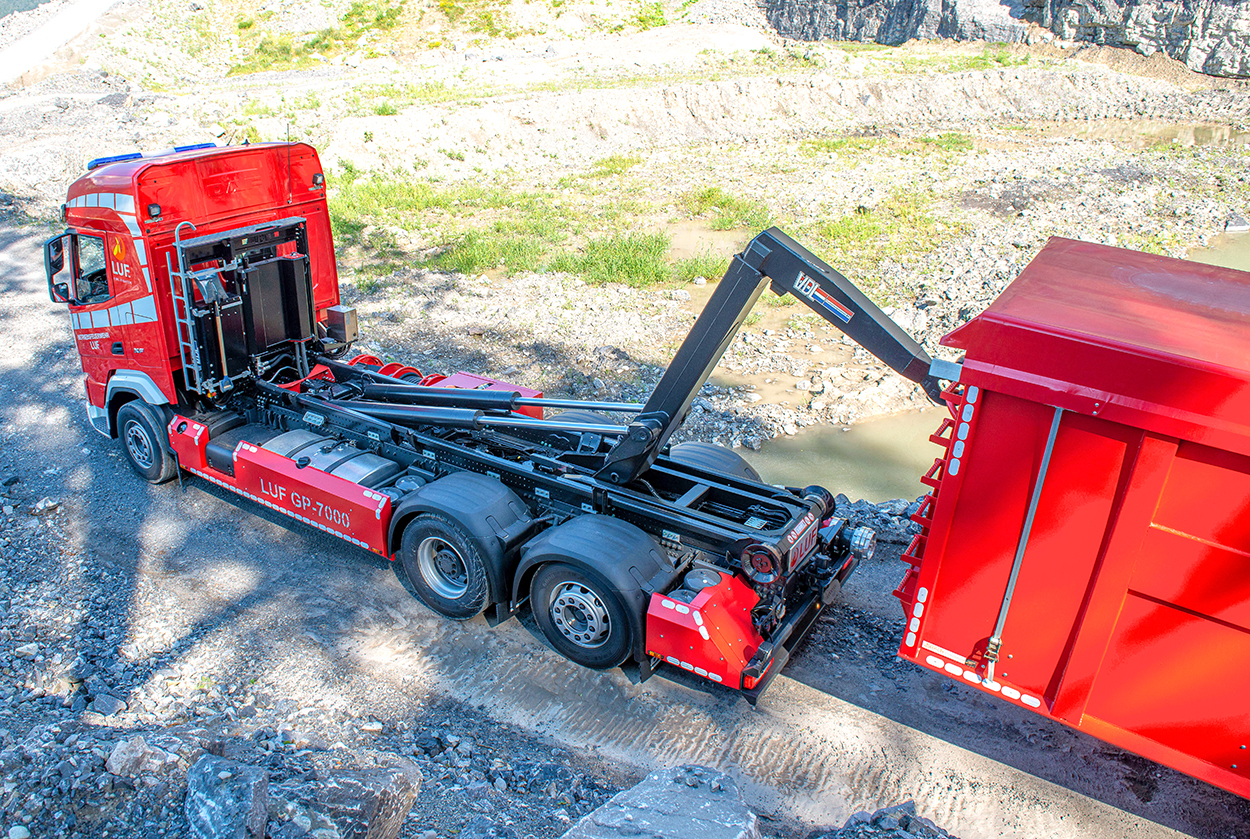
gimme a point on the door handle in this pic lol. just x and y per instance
(118, 349)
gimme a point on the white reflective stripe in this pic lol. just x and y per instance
(124, 202)
(131, 225)
(122, 315)
(100, 319)
(147, 278)
(143, 255)
(93, 199)
(105, 200)
(145, 309)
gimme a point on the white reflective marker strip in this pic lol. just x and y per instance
(124, 202)
(911, 639)
(145, 308)
(973, 393)
(667, 604)
(121, 315)
(914, 625)
(922, 595)
(934, 648)
(971, 676)
(105, 200)
(131, 224)
(682, 608)
(344, 536)
(100, 319)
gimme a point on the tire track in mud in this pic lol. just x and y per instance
(803, 754)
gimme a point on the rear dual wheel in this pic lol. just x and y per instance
(444, 567)
(580, 616)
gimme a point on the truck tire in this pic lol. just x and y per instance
(447, 572)
(145, 442)
(581, 617)
(714, 458)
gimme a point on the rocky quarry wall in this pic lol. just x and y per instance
(1210, 36)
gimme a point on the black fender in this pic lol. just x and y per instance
(489, 513)
(617, 554)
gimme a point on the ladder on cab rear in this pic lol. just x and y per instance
(180, 291)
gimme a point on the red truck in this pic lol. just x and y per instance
(1081, 549)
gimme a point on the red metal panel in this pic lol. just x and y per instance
(1144, 340)
(188, 439)
(712, 636)
(1179, 683)
(472, 381)
(341, 508)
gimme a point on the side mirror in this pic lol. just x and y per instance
(54, 264)
(56, 255)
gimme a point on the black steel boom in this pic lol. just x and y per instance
(771, 257)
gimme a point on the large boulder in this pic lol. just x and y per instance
(365, 804)
(685, 802)
(226, 799)
(138, 757)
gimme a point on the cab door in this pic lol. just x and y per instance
(78, 275)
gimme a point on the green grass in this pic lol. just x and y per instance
(838, 145)
(485, 17)
(902, 226)
(284, 52)
(708, 266)
(637, 259)
(951, 141)
(614, 165)
(860, 47)
(649, 16)
(367, 99)
(727, 212)
(476, 226)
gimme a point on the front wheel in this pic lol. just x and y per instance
(582, 618)
(445, 568)
(143, 440)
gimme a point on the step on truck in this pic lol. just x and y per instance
(1081, 550)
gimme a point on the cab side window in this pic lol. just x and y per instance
(91, 283)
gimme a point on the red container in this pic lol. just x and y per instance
(1085, 551)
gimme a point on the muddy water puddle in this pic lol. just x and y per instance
(877, 460)
(1150, 133)
(1231, 250)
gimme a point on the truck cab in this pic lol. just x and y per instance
(118, 266)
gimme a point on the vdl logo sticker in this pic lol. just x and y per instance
(811, 289)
